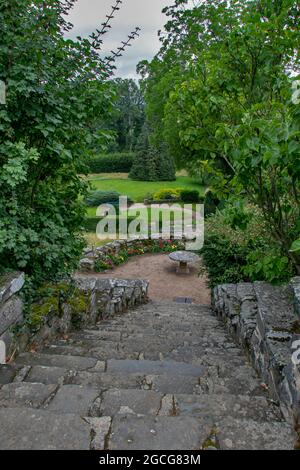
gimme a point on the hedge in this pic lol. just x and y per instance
(111, 163)
(190, 196)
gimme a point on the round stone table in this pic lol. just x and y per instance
(183, 258)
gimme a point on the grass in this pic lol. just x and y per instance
(92, 239)
(138, 190)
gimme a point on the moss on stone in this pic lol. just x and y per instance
(211, 441)
(40, 311)
(50, 301)
(79, 303)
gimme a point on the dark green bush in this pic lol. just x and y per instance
(96, 198)
(224, 260)
(211, 203)
(111, 163)
(152, 163)
(189, 195)
(238, 248)
(90, 224)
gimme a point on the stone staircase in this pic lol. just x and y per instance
(164, 376)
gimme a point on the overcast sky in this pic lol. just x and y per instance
(147, 14)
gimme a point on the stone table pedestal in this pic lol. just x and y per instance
(183, 258)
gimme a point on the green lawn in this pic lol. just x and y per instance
(138, 190)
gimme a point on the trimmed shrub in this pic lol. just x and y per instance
(171, 194)
(189, 195)
(111, 163)
(95, 198)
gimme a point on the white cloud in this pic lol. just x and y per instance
(88, 15)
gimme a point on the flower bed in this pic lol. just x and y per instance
(114, 254)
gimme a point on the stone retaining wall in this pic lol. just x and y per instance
(11, 306)
(94, 300)
(92, 254)
(265, 320)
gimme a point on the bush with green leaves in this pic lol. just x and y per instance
(222, 91)
(189, 196)
(239, 248)
(98, 197)
(111, 163)
(57, 96)
(172, 194)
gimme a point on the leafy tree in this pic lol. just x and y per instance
(56, 90)
(128, 118)
(231, 114)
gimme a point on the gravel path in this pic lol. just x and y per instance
(165, 284)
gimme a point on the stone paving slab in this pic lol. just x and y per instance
(158, 433)
(105, 380)
(75, 399)
(47, 375)
(169, 384)
(25, 394)
(7, 373)
(154, 367)
(218, 406)
(26, 429)
(140, 402)
(235, 434)
(71, 362)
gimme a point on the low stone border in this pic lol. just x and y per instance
(100, 253)
(92, 300)
(265, 320)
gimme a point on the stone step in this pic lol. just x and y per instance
(47, 375)
(164, 376)
(8, 373)
(45, 430)
(56, 360)
(28, 429)
(209, 407)
(135, 348)
(159, 383)
(146, 367)
(75, 399)
(129, 432)
(31, 395)
(95, 400)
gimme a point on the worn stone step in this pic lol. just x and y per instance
(135, 349)
(159, 383)
(208, 407)
(164, 376)
(46, 375)
(129, 432)
(128, 366)
(8, 373)
(104, 380)
(31, 395)
(75, 399)
(56, 360)
(247, 434)
(28, 429)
